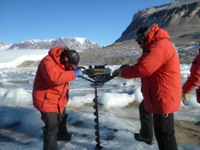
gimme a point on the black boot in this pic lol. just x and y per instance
(140, 138)
(65, 137)
(62, 132)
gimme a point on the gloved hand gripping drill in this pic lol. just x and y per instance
(118, 71)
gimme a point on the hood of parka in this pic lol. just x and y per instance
(155, 33)
(55, 53)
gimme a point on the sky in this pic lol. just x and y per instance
(100, 21)
(20, 123)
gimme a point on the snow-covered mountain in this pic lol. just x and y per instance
(73, 43)
(4, 45)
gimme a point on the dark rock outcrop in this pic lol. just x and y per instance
(181, 18)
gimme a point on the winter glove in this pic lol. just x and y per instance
(119, 71)
(124, 66)
(185, 96)
(78, 73)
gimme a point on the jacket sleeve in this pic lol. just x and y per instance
(194, 78)
(147, 64)
(54, 75)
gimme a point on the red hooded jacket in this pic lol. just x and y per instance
(159, 70)
(50, 89)
(194, 78)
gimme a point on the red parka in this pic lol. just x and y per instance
(194, 78)
(50, 89)
(159, 70)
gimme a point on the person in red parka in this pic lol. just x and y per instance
(50, 93)
(194, 78)
(159, 70)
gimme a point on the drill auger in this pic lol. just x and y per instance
(96, 120)
(100, 75)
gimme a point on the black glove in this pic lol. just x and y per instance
(124, 66)
(119, 71)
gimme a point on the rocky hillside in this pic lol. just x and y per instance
(181, 18)
(73, 43)
(118, 53)
(128, 52)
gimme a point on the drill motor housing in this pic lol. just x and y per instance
(99, 73)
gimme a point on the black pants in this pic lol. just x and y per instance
(55, 124)
(163, 128)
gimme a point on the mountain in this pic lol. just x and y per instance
(181, 18)
(73, 43)
(118, 53)
(4, 45)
